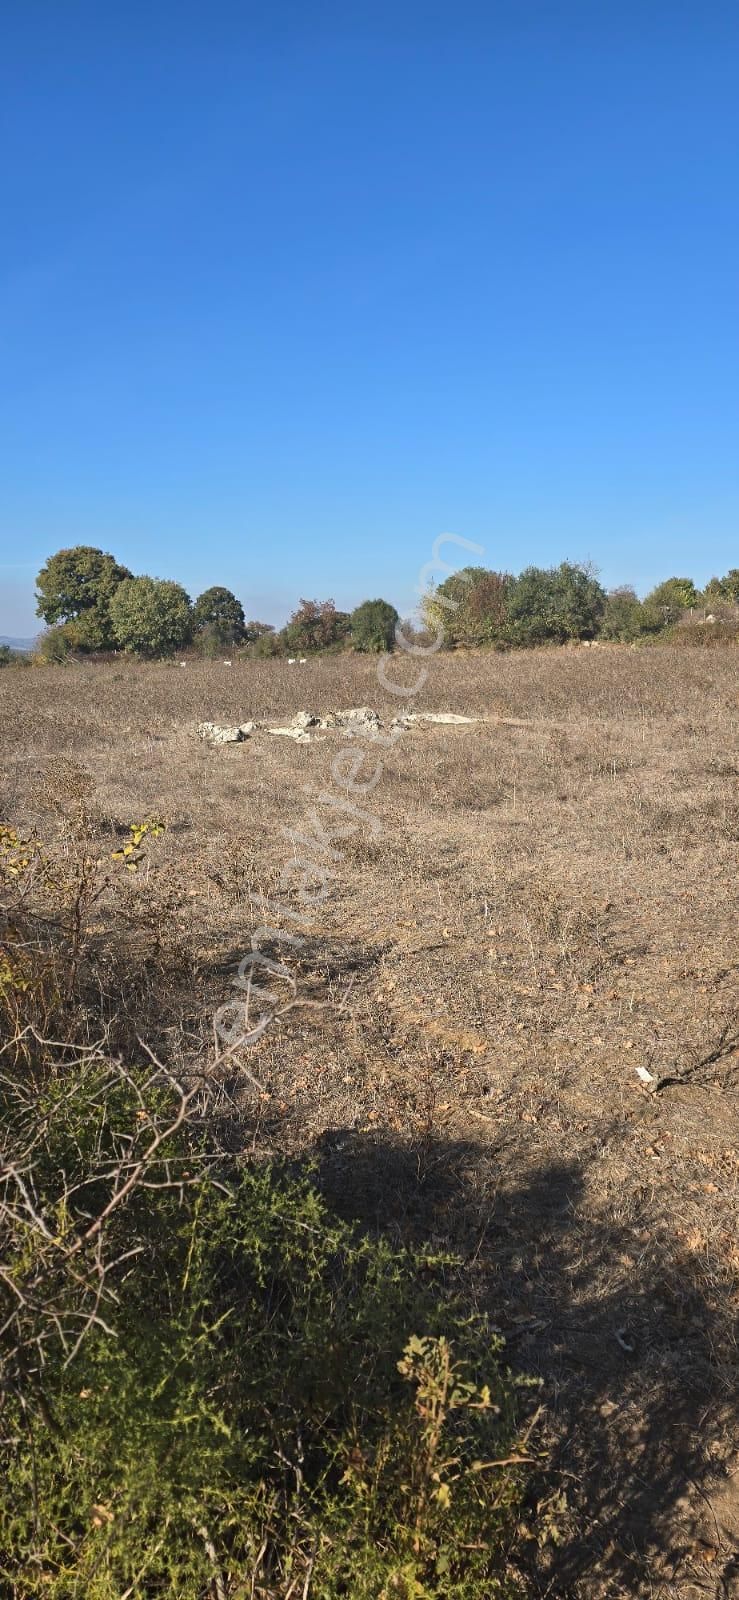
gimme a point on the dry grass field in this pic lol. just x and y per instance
(534, 907)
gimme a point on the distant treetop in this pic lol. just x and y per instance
(151, 616)
(219, 610)
(76, 586)
(373, 625)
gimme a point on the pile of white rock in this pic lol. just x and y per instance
(306, 726)
(218, 733)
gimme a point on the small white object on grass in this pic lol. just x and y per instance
(216, 733)
(646, 1077)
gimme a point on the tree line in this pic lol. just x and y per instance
(92, 605)
(567, 602)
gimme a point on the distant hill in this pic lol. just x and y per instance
(17, 644)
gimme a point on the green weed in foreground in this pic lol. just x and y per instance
(213, 1387)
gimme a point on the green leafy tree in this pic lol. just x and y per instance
(316, 625)
(555, 604)
(210, 641)
(469, 608)
(257, 630)
(218, 611)
(669, 601)
(261, 641)
(723, 591)
(151, 616)
(77, 585)
(373, 626)
(623, 616)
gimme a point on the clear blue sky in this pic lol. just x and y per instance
(289, 289)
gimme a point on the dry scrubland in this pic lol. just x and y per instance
(546, 908)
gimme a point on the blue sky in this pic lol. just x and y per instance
(290, 289)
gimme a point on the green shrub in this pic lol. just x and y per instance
(669, 602)
(209, 1378)
(264, 647)
(212, 1386)
(623, 616)
(150, 616)
(469, 608)
(316, 625)
(373, 625)
(699, 635)
(554, 604)
(13, 658)
(54, 645)
(218, 614)
(723, 591)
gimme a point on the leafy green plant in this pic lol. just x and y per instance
(131, 853)
(262, 642)
(623, 616)
(150, 616)
(209, 1381)
(217, 619)
(669, 601)
(54, 646)
(556, 603)
(315, 625)
(211, 1384)
(373, 626)
(76, 586)
(469, 608)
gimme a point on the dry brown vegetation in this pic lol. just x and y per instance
(539, 910)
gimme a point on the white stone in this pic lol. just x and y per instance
(300, 735)
(218, 733)
(408, 718)
(355, 719)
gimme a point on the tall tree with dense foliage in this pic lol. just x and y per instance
(218, 610)
(76, 586)
(469, 608)
(623, 617)
(373, 625)
(723, 591)
(260, 641)
(151, 616)
(669, 602)
(316, 625)
(555, 604)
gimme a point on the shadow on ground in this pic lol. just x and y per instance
(635, 1353)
